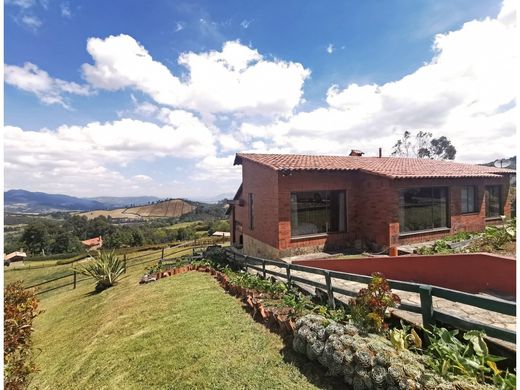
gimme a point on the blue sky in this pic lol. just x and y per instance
(166, 92)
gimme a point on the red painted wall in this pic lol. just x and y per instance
(471, 272)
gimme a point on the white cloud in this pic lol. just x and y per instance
(65, 10)
(142, 178)
(330, 48)
(50, 91)
(466, 92)
(246, 23)
(236, 79)
(78, 157)
(32, 22)
(21, 3)
(179, 26)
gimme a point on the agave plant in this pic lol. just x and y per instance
(105, 269)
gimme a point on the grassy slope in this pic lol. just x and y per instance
(38, 275)
(182, 332)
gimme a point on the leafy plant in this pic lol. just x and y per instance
(105, 269)
(20, 308)
(298, 302)
(405, 338)
(369, 307)
(449, 356)
(337, 315)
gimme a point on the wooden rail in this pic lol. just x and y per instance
(430, 315)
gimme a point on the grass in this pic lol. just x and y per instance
(31, 276)
(182, 332)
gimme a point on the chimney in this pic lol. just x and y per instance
(356, 153)
(380, 152)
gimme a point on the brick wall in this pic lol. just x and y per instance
(372, 209)
(262, 182)
(458, 222)
(314, 181)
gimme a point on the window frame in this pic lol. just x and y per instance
(431, 229)
(476, 207)
(250, 199)
(327, 232)
(500, 201)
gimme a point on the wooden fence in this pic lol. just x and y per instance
(73, 278)
(430, 316)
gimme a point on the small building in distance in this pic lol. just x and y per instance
(221, 234)
(15, 256)
(294, 204)
(93, 243)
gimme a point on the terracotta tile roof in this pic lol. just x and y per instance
(93, 241)
(393, 167)
(14, 254)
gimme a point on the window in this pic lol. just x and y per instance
(493, 201)
(423, 209)
(250, 198)
(316, 212)
(468, 199)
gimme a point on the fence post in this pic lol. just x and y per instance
(234, 257)
(425, 293)
(263, 268)
(245, 262)
(288, 270)
(330, 293)
(74, 280)
(162, 254)
(124, 261)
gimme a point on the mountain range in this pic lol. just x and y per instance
(22, 201)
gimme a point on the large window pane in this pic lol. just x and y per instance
(317, 212)
(468, 199)
(423, 209)
(493, 202)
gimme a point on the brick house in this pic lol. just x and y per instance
(293, 204)
(93, 243)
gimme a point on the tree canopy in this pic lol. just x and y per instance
(423, 145)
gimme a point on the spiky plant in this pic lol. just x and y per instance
(105, 269)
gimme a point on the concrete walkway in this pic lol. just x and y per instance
(461, 310)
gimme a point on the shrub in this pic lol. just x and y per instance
(20, 308)
(450, 357)
(105, 269)
(369, 307)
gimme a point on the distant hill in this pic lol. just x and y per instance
(172, 208)
(130, 201)
(21, 201)
(213, 199)
(142, 207)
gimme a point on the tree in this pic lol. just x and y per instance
(36, 237)
(424, 146)
(66, 242)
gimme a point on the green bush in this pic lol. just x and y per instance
(20, 308)
(450, 357)
(105, 269)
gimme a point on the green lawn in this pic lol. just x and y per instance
(182, 332)
(31, 276)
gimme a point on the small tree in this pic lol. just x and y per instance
(424, 146)
(105, 270)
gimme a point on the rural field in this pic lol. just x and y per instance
(181, 332)
(168, 208)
